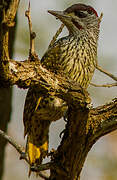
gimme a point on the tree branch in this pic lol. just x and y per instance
(107, 73)
(104, 85)
(19, 148)
(104, 119)
(26, 74)
(9, 16)
(56, 35)
(32, 34)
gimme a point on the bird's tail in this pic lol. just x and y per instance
(37, 144)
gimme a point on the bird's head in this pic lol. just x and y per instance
(78, 17)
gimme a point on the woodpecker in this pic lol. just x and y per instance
(76, 56)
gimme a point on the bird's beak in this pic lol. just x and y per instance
(59, 14)
(66, 19)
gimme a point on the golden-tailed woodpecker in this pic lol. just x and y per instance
(75, 55)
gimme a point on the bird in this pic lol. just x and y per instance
(74, 54)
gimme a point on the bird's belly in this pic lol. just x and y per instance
(79, 70)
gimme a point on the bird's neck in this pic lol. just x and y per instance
(92, 34)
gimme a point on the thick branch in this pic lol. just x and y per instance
(104, 119)
(11, 12)
(72, 152)
(83, 129)
(26, 74)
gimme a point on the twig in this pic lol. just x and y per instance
(21, 151)
(104, 85)
(56, 35)
(107, 73)
(32, 34)
(19, 148)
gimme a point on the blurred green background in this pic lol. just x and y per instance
(101, 163)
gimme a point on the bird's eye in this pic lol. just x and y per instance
(90, 11)
(80, 14)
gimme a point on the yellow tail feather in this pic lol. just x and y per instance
(33, 152)
(37, 153)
